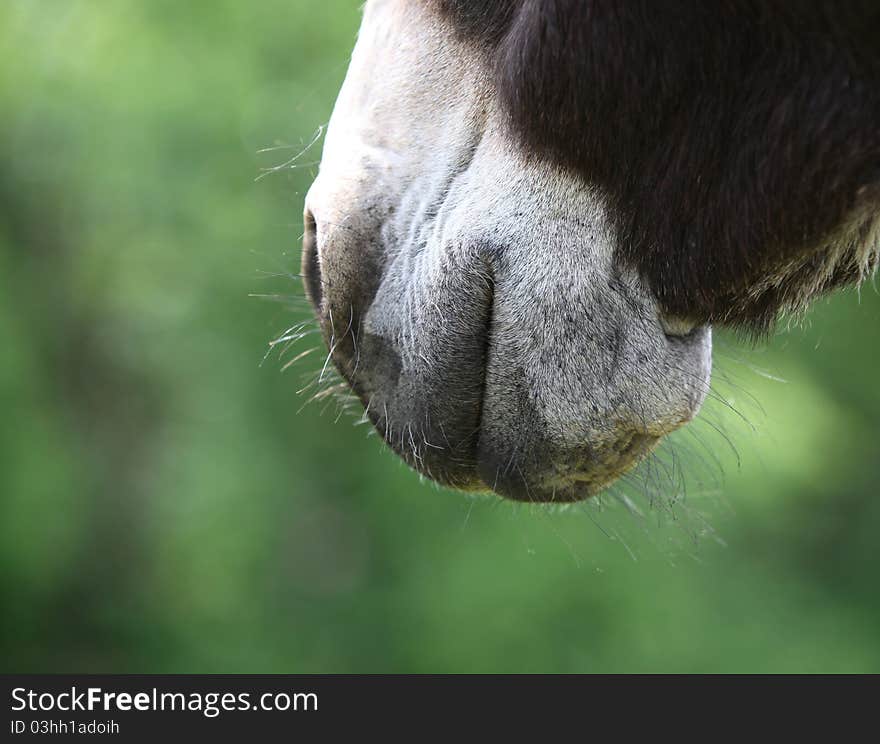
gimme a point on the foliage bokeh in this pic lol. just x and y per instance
(165, 505)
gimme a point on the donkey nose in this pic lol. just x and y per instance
(311, 266)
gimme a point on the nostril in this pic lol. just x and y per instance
(311, 265)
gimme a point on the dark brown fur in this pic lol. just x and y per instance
(735, 141)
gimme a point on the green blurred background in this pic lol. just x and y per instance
(165, 506)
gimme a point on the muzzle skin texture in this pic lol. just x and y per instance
(470, 294)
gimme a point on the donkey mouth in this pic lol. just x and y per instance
(470, 395)
(436, 426)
